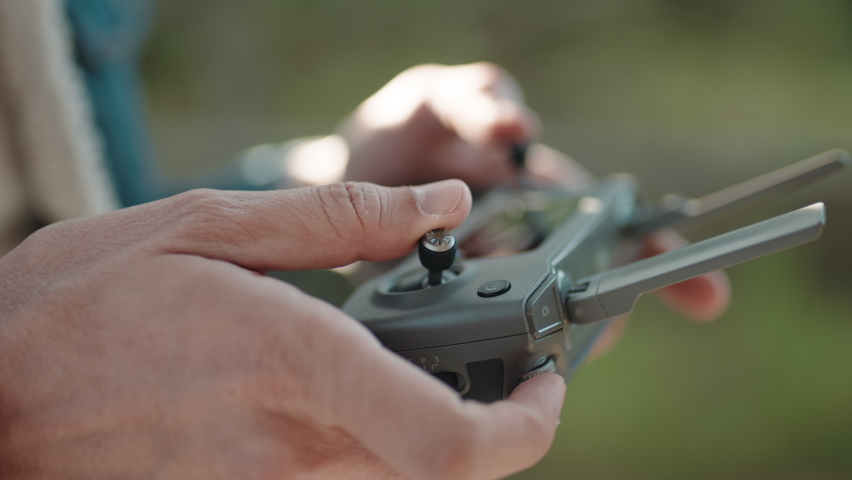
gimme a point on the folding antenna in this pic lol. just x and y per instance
(615, 291)
(674, 209)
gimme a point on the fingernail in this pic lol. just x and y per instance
(438, 198)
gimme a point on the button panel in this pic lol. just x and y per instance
(544, 310)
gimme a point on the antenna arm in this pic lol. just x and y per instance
(614, 292)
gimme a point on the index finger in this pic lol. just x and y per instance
(483, 104)
(702, 298)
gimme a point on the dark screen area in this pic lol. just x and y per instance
(524, 220)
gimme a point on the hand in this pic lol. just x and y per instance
(143, 343)
(430, 122)
(434, 121)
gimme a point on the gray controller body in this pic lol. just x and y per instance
(489, 343)
(501, 320)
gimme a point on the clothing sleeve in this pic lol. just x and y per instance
(108, 39)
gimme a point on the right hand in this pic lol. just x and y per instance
(142, 343)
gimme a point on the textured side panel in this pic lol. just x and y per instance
(486, 380)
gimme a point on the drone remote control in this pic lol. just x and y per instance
(541, 272)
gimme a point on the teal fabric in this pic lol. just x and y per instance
(109, 36)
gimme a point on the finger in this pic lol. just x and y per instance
(468, 117)
(317, 227)
(701, 298)
(610, 337)
(548, 166)
(483, 104)
(480, 167)
(538, 400)
(483, 107)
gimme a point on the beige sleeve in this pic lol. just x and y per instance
(51, 149)
(14, 217)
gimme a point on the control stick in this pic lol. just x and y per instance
(437, 253)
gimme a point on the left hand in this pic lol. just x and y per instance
(701, 299)
(429, 123)
(434, 121)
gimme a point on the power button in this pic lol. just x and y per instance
(492, 289)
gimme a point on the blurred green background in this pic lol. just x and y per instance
(689, 95)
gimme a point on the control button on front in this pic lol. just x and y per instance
(450, 379)
(544, 312)
(493, 289)
(548, 366)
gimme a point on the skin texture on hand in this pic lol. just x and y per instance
(143, 343)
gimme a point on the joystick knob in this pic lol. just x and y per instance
(437, 253)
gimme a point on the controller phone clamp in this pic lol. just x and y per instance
(541, 271)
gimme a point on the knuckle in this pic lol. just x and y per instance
(199, 201)
(414, 76)
(488, 68)
(423, 69)
(47, 243)
(489, 73)
(354, 209)
(50, 232)
(68, 235)
(207, 215)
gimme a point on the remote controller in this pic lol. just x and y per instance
(529, 282)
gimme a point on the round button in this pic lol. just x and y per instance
(492, 289)
(450, 379)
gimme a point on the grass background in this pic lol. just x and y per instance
(689, 95)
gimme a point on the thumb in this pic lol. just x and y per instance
(318, 227)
